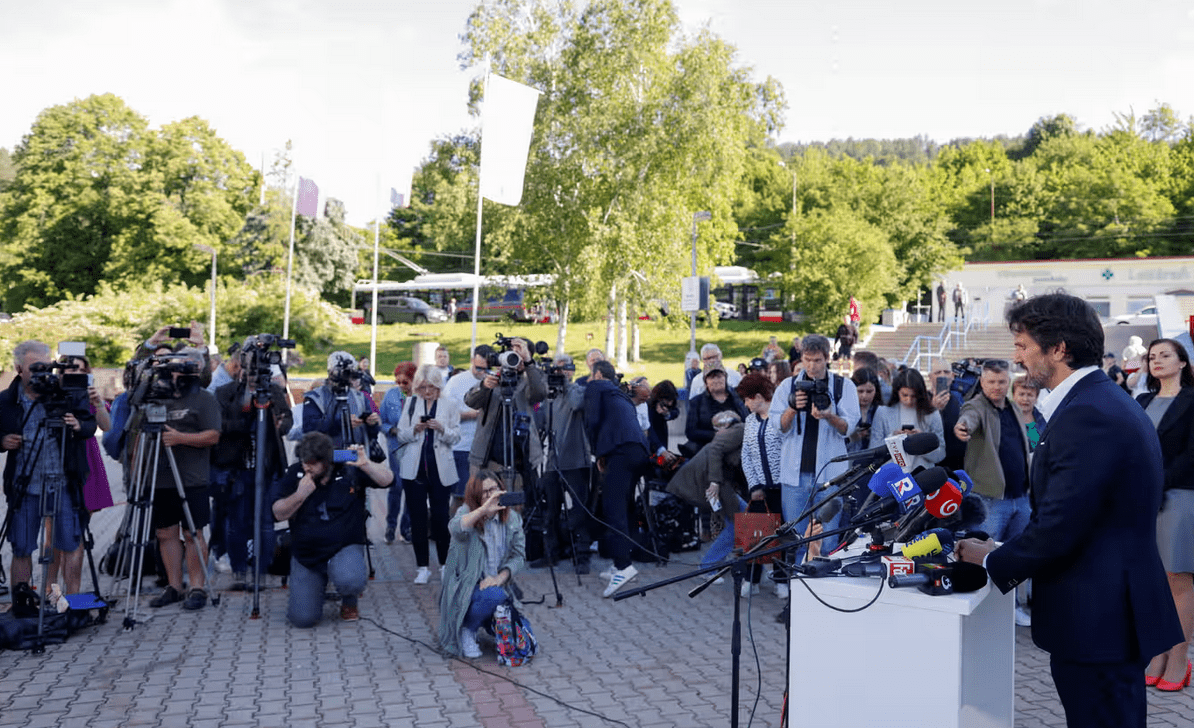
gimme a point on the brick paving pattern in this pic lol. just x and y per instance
(660, 660)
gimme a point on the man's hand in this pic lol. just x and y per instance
(712, 491)
(490, 381)
(11, 442)
(71, 421)
(196, 339)
(373, 419)
(306, 485)
(941, 400)
(973, 550)
(171, 436)
(757, 495)
(801, 398)
(962, 432)
(520, 347)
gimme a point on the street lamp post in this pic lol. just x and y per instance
(211, 319)
(696, 217)
(992, 178)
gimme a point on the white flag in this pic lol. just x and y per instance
(507, 122)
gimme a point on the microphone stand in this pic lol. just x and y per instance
(738, 568)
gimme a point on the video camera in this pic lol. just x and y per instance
(258, 359)
(966, 376)
(817, 391)
(154, 379)
(506, 360)
(342, 375)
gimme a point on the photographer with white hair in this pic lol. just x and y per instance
(324, 408)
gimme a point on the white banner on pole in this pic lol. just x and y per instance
(508, 119)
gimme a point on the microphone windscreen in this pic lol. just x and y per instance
(926, 544)
(932, 479)
(880, 482)
(965, 483)
(945, 502)
(922, 443)
(829, 511)
(968, 577)
(974, 512)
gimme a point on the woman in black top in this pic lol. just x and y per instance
(866, 382)
(1169, 402)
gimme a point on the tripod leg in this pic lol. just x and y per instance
(197, 540)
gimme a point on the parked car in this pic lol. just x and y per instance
(725, 310)
(509, 305)
(1145, 317)
(403, 309)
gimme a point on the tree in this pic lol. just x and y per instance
(8, 170)
(100, 196)
(638, 127)
(1162, 124)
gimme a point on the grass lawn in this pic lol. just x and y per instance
(662, 347)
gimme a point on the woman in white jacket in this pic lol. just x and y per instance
(431, 426)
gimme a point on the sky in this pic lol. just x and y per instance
(361, 87)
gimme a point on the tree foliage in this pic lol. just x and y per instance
(98, 195)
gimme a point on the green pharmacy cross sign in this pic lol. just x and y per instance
(1107, 274)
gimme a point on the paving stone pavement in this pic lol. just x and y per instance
(659, 660)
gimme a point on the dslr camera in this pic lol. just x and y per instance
(817, 391)
(342, 375)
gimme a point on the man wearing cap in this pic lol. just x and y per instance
(323, 408)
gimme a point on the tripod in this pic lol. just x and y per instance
(49, 506)
(139, 521)
(348, 437)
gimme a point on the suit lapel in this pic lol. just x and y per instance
(1177, 411)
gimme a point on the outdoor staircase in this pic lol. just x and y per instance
(981, 340)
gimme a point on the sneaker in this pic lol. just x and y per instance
(196, 599)
(223, 566)
(747, 589)
(618, 578)
(169, 595)
(607, 573)
(423, 575)
(389, 536)
(349, 614)
(781, 590)
(1023, 618)
(468, 643)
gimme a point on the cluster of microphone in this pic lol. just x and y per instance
(926, 511)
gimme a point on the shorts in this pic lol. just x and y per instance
(167, 508)
(67, 530)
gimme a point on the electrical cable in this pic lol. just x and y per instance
(462, 661)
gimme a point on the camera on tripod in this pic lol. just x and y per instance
(154, 379)
(259, 357)
(817, 391)
(341, 375)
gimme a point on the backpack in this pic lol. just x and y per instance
(516, 643)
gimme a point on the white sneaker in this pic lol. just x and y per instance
(223, 565)
(747, 589)
(607, 573)
(468, 642)
(781, 590)
(423, 575)
(1023, 618)
(618, 578)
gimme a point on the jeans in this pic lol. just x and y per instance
(461, 458)
(484, 603)
(721, 546)
(240, 503)
(1006, 517)
(797, 498)
(394, 505)
(348, 574)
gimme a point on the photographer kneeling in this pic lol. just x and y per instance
(34, 460)
(325, 504)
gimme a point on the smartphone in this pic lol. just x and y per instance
(179, 333)
(908, 427)
(512, 499)
(425, 418)
(942, 385)
(344, 456)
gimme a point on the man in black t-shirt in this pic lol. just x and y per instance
(325, 504)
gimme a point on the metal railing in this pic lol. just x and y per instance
(953, 334)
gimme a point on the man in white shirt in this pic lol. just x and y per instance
(711, 359)
(455, 389)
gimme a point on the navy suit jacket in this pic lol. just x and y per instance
(1099, 590)
(610, 419)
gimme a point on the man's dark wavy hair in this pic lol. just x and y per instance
(1056, 318)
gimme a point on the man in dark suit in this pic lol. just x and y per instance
(1101, 605)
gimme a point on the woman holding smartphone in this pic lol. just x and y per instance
(910, 411)
(488, 549)
(866, 383)
(428, 427)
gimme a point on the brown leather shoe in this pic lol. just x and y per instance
(349, 614)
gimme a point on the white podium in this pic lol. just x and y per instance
(907, 660)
